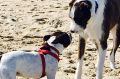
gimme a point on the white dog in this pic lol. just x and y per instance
(95, 19)
(35, 64)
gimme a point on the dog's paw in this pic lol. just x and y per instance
(112, 65)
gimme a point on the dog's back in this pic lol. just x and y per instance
(19, 61)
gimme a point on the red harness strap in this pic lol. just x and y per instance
(43, 65)
(44, 52)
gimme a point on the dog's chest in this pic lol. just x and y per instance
(95, 24)
(94, 32)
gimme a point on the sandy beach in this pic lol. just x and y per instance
(23, 23)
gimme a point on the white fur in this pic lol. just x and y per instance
(94, 31)
(100, 63)
(59, 46)
(75, 27)
(112, 61)
(71, 14)
(112, 56)
(28, 64)
(79, 69)
(95, 21)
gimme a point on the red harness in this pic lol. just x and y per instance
(43, 52)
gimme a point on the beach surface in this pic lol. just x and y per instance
(23, 23)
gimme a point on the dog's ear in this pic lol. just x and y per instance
(85, 4)
(46, 37)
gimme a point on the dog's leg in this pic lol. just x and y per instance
(52, 72)
(6, 74)
(100, 61)
(80, 60)
(116, 42)
(51, 76)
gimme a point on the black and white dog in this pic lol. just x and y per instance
(95, 19)
(30, 64)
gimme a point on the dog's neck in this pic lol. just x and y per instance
(59, 47)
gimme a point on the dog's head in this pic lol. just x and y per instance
(81, 11)
(58, 39)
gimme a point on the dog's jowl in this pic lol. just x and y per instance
(96, 19)
(38, 63)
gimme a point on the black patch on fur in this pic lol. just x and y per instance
(82, 13)
(45, 46)
(0, 57)
(62, 38)
(96, 6)
(46, 37)
(111, 17)
(81, 48)
(105, 27)
(103, 44)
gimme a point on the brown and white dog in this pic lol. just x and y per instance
(95, 19)
(30, 64)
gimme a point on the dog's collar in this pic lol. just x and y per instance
(96, 6)
(53, 48)
(43, 52)
(46, 51)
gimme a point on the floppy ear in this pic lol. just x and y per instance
(86, 4)
(46, 37)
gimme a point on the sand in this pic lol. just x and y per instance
(23, 23)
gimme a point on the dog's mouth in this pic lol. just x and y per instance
(72, 31)
(81, 32)
(77, 31)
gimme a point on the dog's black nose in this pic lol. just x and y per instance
(72, 31)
